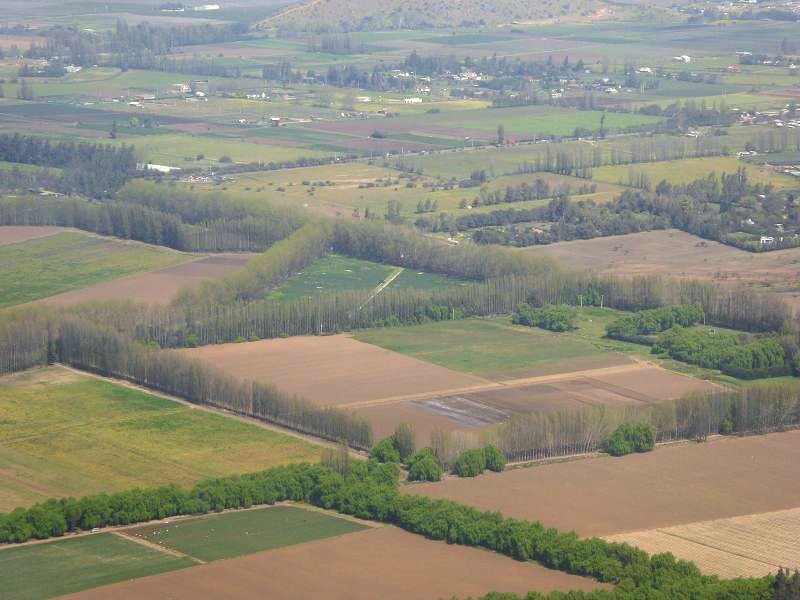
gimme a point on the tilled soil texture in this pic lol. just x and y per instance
(384, 563)
(748, 546)
(671, 486)
(388, 388)
(156, 287)
(13, 234)
(680, 254)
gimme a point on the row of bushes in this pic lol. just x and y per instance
(731, 353)
(555, 317)
(648, 322)
(369, 490)
(424, 465)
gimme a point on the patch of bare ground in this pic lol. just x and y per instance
(674, 485)
(678, 254)
(388, 388)
(746, 546)
(332, 370)
(14, 234)
(156, 287)
(384, 563)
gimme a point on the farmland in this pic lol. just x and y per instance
(46, 266)
(67, 566)
(674, 486)
(377, 562)
(65, 434)
(338, 273)
(680, 254)
(451, 375)
(686, 171)
(157, 286)
(751, 545)
(235, 534)
(534, 259)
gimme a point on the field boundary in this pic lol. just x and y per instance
(382, 286)
(638, 364)
(122, 533)
(213, 409)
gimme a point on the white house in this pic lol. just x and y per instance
(766, 240)
(412, 100)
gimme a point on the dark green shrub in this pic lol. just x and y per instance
(385, 451)
(495, 459)
(630, 437)
(423, 466)
(471, 463)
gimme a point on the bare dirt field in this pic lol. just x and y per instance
(380, 562)
(156, 287)
(679, 254)
(674, 485)
(630, 384)
(748, 546)
(333, 370)
(13, 234)
(388, 388)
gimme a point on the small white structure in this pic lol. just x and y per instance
(156, 168)
(644, 70)
(683, 58)
(205, 7)
(412, 100)
(767, 240)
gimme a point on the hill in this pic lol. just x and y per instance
(414, 14)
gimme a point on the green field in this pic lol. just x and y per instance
(232, 534)
(334, 273)
(47, 570)
(63, 434)
(59, 263)
(489, 347)
(685, 171)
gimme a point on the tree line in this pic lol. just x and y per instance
(127, 42)
(103, 350)
(726, 208)
(369, 490)
(96, 170)
(162, 215)
(757, 409)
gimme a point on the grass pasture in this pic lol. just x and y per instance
(488, 348)
(335, 273)
(38, 571)
(686, 171)
(63, 434)
(46, 266)
(232, 534)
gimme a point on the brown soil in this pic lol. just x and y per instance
(749, 546)
(332, 370)
(13, 234)
(680, 254)
(381, 563)
(393, 388)
(671, 486)
(155, 287)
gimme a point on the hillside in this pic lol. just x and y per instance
(412, 14)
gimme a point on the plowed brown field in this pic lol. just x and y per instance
(749, 546)
(12, 234)
(155, 287)
(672, 486)
(388, 388)
(675, 253)
(384, 563)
